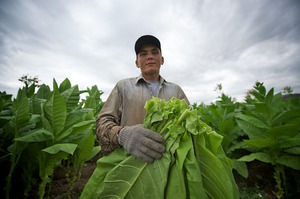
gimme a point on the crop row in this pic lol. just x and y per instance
(41, 129)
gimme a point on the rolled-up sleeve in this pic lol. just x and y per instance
(108, 123)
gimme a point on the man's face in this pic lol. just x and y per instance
(149, 60)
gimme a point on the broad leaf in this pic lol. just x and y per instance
(55, 111)
(22, 111)
(289, 161)
(252, 131)
(252, 120)
(289, 142)
(293, 150)
(264, 157)
(266, 111)
(261, 143)
(43, 92)
(289, 130)
(65, 147)
(286, 116)
(38, 135)
(241, 168)
(71, 97)
(79, 128)
(66, 84)
(84, 149)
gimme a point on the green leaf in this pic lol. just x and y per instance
(269, 96)
(84, 149)
(55, 86)
(192, 172)
(22, 111)
(71, 97)
(289, 142)
(252, 120)
(65, 147)
(266, 110)
(261, 143)
(216, 181)
(76, 116)
(43, 92)
(78, 128)
(4, 120)
(289, 161)
(241, 168)
(276, 101)
(38, 135)
(96, 150)
(130, 177)
(252, 131)
(225, 127)
(30, 90)
(293, 150)
(264, 157)
(286, 116)
(55, 111)
(104, 165)
(289, 130)
(66, 84)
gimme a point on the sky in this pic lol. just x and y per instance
(204, 43)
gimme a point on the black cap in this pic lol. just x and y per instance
(146, 39)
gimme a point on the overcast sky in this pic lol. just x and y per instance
(204, 43)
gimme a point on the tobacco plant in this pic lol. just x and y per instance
(47, 127)
(272, 125)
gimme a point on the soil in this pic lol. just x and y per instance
(260, 179)
(60, 184)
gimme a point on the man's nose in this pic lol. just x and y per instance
(150, 56)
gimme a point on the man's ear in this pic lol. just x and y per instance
(162, 60)
(137, 64)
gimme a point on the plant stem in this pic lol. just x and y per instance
(277, 177)
(13, 161)
(178, 122)
(183, 116)
(43, 186)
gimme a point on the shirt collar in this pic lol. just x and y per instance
(141, 78)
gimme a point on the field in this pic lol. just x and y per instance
(49, 148)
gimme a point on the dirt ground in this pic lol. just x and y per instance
(60, 184)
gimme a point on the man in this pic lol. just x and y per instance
(120, 120)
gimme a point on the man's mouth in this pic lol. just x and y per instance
(150, 63)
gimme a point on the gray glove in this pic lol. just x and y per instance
(142, 143)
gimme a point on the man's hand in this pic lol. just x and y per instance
(142, 143)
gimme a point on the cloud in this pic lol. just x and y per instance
(204, 43)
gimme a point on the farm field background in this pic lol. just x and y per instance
(49, 148)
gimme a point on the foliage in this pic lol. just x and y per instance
(41, 128)
(272, 126)
(265, 127)
(220, 116)
(193, 166)
(44, 128)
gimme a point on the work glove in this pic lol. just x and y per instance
(142, 143)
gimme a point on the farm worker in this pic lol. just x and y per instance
(120, 122)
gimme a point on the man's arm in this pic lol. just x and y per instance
(108, 123)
